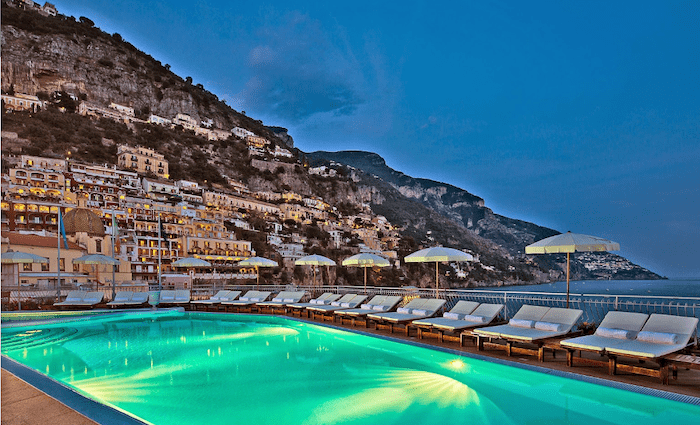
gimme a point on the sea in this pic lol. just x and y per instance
(676, 288)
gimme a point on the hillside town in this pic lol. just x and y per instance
(129, 199)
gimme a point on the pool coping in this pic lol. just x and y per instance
(94, 410)
(110, 415)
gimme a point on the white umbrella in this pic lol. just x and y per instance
(571, 242)
(18, 257)
(97, 259)
(438, 254)
(365, 260)
(315, 261)
(190, 262)
(258, 262)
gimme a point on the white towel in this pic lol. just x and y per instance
(613, 333)
(419, 312)
(657, 337)
(277, 300)
(335, 304)
(378, 308)
(288, 300)
(403, 310)
(549, 327)
(255, 300)
(366, 306)
(345, 304)
(453, 316)
(520, 323)
(477, 319)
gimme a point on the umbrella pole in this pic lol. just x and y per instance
(365, 279)
(567, 279)
(257, 272)
(437, 281)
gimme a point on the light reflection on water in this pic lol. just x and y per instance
(200, 368)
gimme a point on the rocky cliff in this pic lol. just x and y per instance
(432, 212)
(44, 54)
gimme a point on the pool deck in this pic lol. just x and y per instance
(22, 403)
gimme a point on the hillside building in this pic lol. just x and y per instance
(143, 160)
(22, 102)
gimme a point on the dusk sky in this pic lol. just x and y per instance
(581, 116)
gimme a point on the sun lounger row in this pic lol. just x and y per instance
(85, 299)
(129, 299)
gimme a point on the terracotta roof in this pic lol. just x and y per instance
(19, 239)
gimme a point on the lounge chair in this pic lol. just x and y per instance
(174, 297)
(281, 300)
(464, 315)
(246, 301)
(531, 324)
(128, 299)
(214, 300)
(418, 308)
(120, 298)
(617, 326)
(661, 336)
(348, 301)
(138, 299)
(324, 299)
(81, 299)
(72, 298)
(379, 303)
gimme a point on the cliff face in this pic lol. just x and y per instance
(432, 212)
(47, 54)
(451, 202)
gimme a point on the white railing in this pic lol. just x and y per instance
(594, 306)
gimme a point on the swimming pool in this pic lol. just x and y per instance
(203, 368)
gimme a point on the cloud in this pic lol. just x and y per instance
(300, 69)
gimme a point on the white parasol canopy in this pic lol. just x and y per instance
(190, 262)
(258, 262)
(17, 257)
(364, 260)
(571, 242)
(315, 261)
(438, 254)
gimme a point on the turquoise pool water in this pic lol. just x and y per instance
(199, 368)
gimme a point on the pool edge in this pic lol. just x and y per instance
(98, 412)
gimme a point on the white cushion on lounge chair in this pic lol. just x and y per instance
(378, 307)
(464, 307)
(547, 326)
(453, 316)
(366, 306)
(336, 303)
(345, 304)
(476, 319)
(418, 312)
(278, 300)
(403, 310)
(614, 333)
(520, 323)
(288, 300)
(658, 337)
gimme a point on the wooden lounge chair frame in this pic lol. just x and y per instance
(511, 336)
